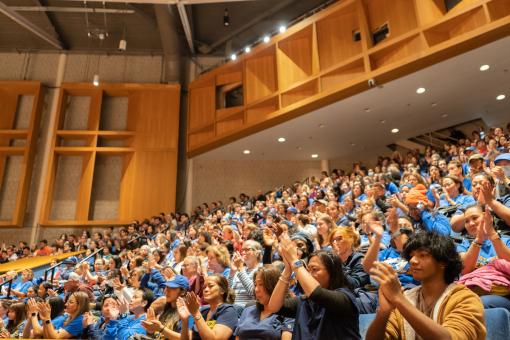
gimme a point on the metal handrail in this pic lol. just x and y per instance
(8, 288)
(100, 250)
(52, 268)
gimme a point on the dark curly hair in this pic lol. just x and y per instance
(442, 249)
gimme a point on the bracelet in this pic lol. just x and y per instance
(476, 244)
(283, 280)
(494, 237)
(197, 317)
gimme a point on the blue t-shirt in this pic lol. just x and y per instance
(392, 257)
(251, 327)
(467, 184)
(225, 315)
(75, 327)
(58, 322)
(462, 200)
(487, 252)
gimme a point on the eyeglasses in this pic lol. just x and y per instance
(247, 249)
(337, 239)
(110, 296)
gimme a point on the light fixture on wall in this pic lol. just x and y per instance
(95, 80)
(226, 18)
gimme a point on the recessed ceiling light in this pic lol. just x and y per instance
(321, 126)
(444, 115)
(299, 147)
(266, 39)
(421, 90)
(353, 144)
(433, 104)
(395, 130)
(282, 29)
(484, 67)
(367, 109)
(383, 121)
(233, 56)
(281, 139)
(247, 49)
(246, 152)
(315, 155)
(501, 97)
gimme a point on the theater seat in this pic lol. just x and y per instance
(497, 322)
(364, 322)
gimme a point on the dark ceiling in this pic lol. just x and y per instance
(249, 21)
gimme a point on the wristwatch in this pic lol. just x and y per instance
(297, 264)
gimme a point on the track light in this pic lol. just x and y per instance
(233, 56)
(95, 80)
(226, 18)
(266, 39)
(122, 45)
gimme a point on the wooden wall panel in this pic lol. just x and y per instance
(260, 76)
(11, 93)
(148, 151)
(319, 61)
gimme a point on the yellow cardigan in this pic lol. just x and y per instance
(459, 310)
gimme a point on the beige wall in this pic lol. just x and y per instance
(218, 180)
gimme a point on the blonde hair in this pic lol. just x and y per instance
(347, 233)
(222, 255)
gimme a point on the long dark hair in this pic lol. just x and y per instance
(57, 306)
(269, 277)
(20, 309)
(228, 295)
(334, 267)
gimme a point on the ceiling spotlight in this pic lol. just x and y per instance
(315, 155)
(383, 121)
(247, 49)
(321, 126)
(501, 97)
(421, 90)
(367, 109)
(226, 18)
(444, 115)
(395, 130)
(484, 67)
(246, 152)
(299, 147)
(281, 139)
(433, 104)
(233, 56)
(353, 144)
(282, 29)
(122, 45)
(95, 80)
(266, 39)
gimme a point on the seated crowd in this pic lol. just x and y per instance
(422, 242)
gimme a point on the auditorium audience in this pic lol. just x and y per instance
(288, 262)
